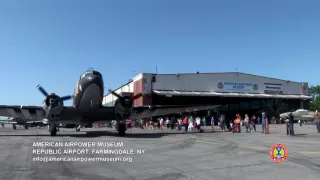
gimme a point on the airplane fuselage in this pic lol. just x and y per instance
(89, 91)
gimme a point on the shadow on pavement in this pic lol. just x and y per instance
(91, 134)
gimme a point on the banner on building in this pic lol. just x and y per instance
(146, 85)
(270, 88)
(237, 86)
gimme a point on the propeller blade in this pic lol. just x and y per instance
(65, 98)
(48, 112)
(44, 92)
(115, 94)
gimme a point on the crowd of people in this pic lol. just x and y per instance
(191, 123)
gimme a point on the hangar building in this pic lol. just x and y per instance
(236, 92)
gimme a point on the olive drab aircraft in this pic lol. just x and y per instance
(87, 107)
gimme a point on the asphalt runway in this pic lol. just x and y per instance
(168, 155)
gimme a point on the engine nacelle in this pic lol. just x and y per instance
(56, 104)
(124, 107)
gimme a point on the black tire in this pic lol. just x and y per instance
(78, 129)
(14, 127)
(122, 129)
(26, 126)
(53, 130)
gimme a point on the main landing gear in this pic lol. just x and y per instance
(53, 128)
(121, 127)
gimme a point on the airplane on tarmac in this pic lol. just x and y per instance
(22, 122)
(87, 107)
(300, 114)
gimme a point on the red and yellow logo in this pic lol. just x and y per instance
(220, 85)
(278, 152)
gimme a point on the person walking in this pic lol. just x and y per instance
(263, 122)
(253, 123)
(246, 122)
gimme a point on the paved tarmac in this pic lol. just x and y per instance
(168, 155)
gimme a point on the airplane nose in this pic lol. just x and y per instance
(93, 78)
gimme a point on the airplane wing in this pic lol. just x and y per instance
(70, 113)
(22, 112)
(6, 122)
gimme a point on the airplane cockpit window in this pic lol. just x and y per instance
(84, 75)
(90, 72)
(96, 73)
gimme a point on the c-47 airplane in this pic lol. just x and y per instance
(87, 107)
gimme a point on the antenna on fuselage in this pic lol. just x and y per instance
(90, 68)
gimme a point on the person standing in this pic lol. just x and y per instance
(300, 121)
(238, 122)
(263, 122)
(204, 121)
(258, 120)
(185, 124)
(287, 125)
(317, 120)
(212, 121)
(291, 127)
(222, 123)
(161, 123)
(253, 123)
(173, 123)
(198, 124)
(246, 122)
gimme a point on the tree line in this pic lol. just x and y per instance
(314, 91)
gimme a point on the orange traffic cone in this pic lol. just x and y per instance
(267, 127)
(212, 128)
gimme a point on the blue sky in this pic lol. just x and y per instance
(52, 42)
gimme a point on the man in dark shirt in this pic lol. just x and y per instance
(291, 128)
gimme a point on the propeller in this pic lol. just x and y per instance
(125, 101)
(52, 99)
(114, 93)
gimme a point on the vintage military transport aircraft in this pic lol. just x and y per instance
(300, 114)
(87, 107)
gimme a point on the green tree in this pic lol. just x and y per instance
(314, 91)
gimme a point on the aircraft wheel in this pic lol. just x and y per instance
(53, 130)
(122, 129)
(26, 126)
(14, 126)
